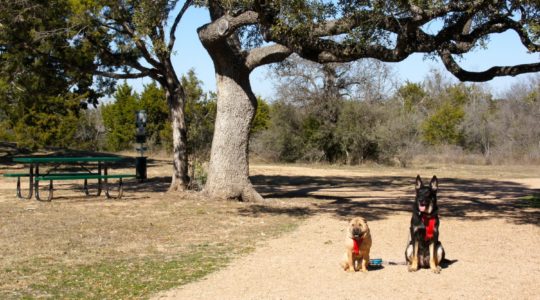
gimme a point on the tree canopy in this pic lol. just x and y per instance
(40, 97)
(341, 31)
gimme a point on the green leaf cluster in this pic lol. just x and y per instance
(262, 116)
(119, 118)
(442, 126)
(40, 96)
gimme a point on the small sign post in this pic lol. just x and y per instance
(140, 138)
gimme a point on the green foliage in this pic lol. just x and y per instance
(283, 140)
(200, 110)
(262, 116)
(40, 96)
(119, 118)
(158, 126)
(51, 122)
(412, 95)
(436, 113)
(443, 126)
(459, 94)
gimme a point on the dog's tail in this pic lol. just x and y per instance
(446, 262)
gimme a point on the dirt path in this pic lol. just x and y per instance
(304, 265)
(493, 242)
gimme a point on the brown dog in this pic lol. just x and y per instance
(357, 246)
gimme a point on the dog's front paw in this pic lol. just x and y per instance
(351, 270)
(413, 269)
(436, 270)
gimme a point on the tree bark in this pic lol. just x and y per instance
(175, 100)
(228, 174)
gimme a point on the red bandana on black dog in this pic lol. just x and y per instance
(429, 222)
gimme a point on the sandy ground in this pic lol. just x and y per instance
(490, 238)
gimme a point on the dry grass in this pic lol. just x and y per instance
(91, 248)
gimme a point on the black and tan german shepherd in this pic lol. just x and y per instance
(424, 248)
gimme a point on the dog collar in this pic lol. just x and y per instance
(356, 245)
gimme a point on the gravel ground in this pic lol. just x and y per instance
(493, 247)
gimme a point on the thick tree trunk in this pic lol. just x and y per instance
(228, 173)
(180, 178)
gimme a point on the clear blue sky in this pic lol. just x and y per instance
(503, 49)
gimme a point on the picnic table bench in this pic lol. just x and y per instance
(89, 167)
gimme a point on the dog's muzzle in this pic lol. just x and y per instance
(356, 232)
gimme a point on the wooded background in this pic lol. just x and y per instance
(341, 113)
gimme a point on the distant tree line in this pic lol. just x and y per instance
(345, 114)
(110, 126)
(334, 113)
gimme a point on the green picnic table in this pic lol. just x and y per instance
(87, 167)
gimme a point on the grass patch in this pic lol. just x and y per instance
(531, 200)
(133, 278)
(118, 279)
(90, 248)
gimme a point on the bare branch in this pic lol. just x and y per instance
(266, 55)
(453, 67)
(121, 75)
(172, 36)
(140, 45)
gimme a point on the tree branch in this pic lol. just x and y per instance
(226, 25)
(146, 54)
(121, 75)
(346, 24)
(453, 67)
(266, 55)
(324, 43)
(172, 36)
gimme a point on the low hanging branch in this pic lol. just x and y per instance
(346, 32)
(453, 67)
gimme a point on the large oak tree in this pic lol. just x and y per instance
(340, 31)
(227, 39)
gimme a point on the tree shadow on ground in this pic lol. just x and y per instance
(382, 196)
(257, 210)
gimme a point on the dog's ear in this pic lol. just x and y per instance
(434, 184)
(419, 183)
